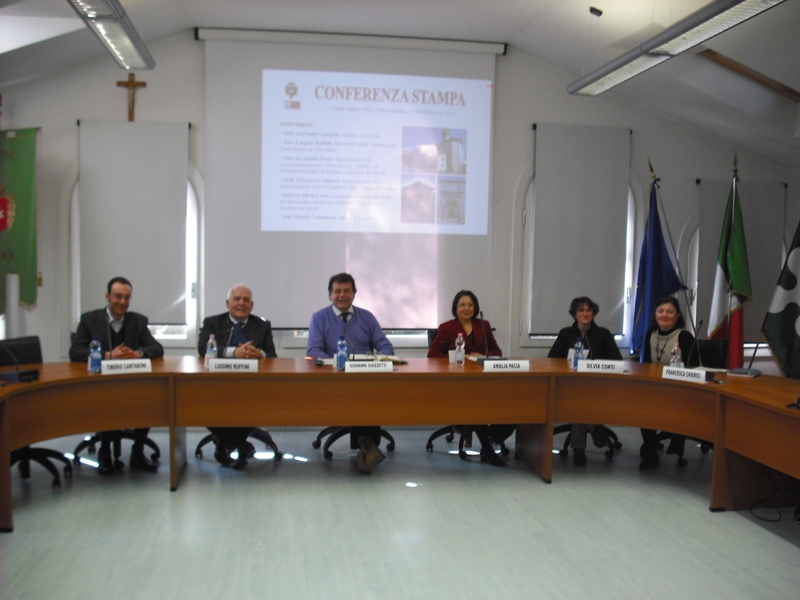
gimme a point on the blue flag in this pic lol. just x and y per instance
(657, 275)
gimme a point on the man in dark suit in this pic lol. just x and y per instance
(239, 334)
(122, 335)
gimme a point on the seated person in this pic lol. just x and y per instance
(363, 335)
(123, 335)
(598, 343)
(666, 330)
(239, 334)
(478, 341)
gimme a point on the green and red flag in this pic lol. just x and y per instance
(18, 213)
(781, 328)
(732, 281)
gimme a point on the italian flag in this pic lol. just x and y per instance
(732, 281)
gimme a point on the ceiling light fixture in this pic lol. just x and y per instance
(701, 25)
(109, 22)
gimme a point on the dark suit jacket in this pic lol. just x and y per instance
(448, 332)
(136, 335)
(257, 331)
(598, 340)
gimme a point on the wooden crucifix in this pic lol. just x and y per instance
(132, 86)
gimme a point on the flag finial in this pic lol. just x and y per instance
(652, 172)
(735, 160)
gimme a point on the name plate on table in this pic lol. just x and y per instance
(692, 375)
(601, 366)
(497, 366)
(368, 366)
(122, 367)
(233, 365)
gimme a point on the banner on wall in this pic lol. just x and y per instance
(18, 213)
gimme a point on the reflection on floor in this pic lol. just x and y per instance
(304, 527)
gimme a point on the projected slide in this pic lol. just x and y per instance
(356, 152)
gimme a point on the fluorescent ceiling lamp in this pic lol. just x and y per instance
(109, 22)
(701, 25)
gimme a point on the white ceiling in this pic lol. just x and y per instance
(562, 33)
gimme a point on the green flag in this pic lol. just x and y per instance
(781, 328)
(18, 213)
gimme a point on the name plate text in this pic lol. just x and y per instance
(692, 375)
(122, 367)
(601, 366)
(504, 366)
(362, 366)
(233, 365)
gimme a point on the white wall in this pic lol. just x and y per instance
(527, 91)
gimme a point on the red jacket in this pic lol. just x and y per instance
(448, 332)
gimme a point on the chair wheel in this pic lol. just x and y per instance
(564, 453)
(505, 451)
(464, 456)
(76, 461)
(682, 462)
(91, 449)
(278, 455)
(56, 484)
(609, 454)
(327, 454)
(390, 446)
(449, 437)
(617, 445)
(316, 444)
(68, 471)
(198, 453)
(429, 447)
(704, 449)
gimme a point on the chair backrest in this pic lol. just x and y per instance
(713, 353)
(27, 350)
(432, 335)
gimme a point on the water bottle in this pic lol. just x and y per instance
(341, 353)
(211, 350)
(459, 350)
(578, 355)
(675, 358)
(95, 356)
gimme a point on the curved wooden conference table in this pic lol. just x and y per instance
(747, 419)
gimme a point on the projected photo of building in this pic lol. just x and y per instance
(434, 150)
(418, 200)
(451, 200)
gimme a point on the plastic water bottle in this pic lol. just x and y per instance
(341, 353)
(95, 356)
(675, 358)
(211, 350)
(459, 350)
(578, 354)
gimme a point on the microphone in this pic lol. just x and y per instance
(351, 351)
(18, 376)
(483, 329)
(696, 346)
(225, 349)
(110, 345)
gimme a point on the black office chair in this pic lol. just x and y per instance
(613, 441)
(713, 354)
(335, 432)
(463, 431)
(259, 434)
(28, 351)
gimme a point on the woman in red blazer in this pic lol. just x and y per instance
(477, 333)
(479, 341)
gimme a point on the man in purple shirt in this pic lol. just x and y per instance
(363, 335)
